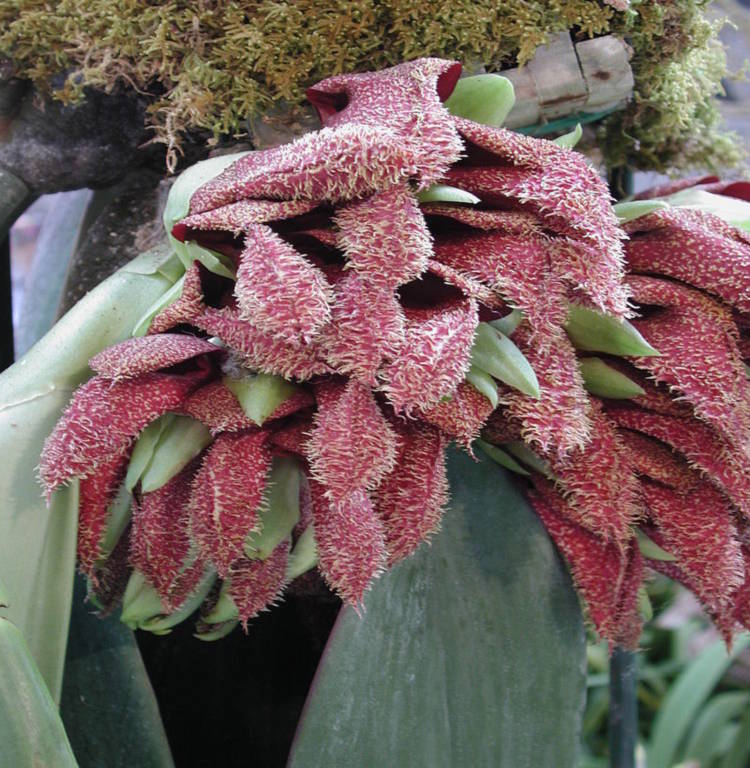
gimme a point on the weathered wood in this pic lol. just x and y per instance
(606, 69)
(564, 79)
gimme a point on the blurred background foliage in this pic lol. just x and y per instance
(693, 699)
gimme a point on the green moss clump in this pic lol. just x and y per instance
(673, 122)
(209, 65)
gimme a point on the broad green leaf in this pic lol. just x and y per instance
(603, 380)
(485, 99)
(469, 653)
(734, 211)
(570, 139)
(634, 209)
(685, 698)
(592, 331)
(719, 710)
(31, 733)
(442, 193)
(37, 543)
(63, 227)
(108, 706)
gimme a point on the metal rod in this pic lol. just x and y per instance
(6, 307)
(623, 672)
(623, 709)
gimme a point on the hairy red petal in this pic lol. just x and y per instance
(655, 460)
(461, 417)
(559, 186)
(328, 165)
(394, 97)
(216, 407)
(697, 339)
(506, 222)
(598, 568)
(695, 247)
(697, 528)
(367, 326)
(702, 446)
(227, 491)
(260, 351)
(255, 584)
(411, 499)
(468, 285)
(352, 445)
(103, 419)
(742, 597)
(434, 358)
(350, 541)
(601, 491)
(96, 493)
(385, 237)
(517, 267)
(292, 437)
(559, 421)
(109, 580)
(185, 309)
(160, 546)
(144, 354)
(278, 290)
(240, 216)
(670, 187)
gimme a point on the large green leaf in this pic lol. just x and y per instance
(31, 734)
(469, 653)
(37, 543)
(108, 706)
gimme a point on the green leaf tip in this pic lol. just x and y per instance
(651, 549)
(442, 193)
(634, 209)
(603, 380)
(570, 139)
(501, 457)
(304, 556)
(494, 353)
(486, 99)
(260, 394)
(592, 331)
(483, 383)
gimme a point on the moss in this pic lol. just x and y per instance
(673, 122)
(210, 64)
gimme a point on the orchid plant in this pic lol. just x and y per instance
(357, 299)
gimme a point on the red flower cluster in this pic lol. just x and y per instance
(674, 460)
(390, 315)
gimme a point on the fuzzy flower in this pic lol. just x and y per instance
(297, 415)
(669, 460)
